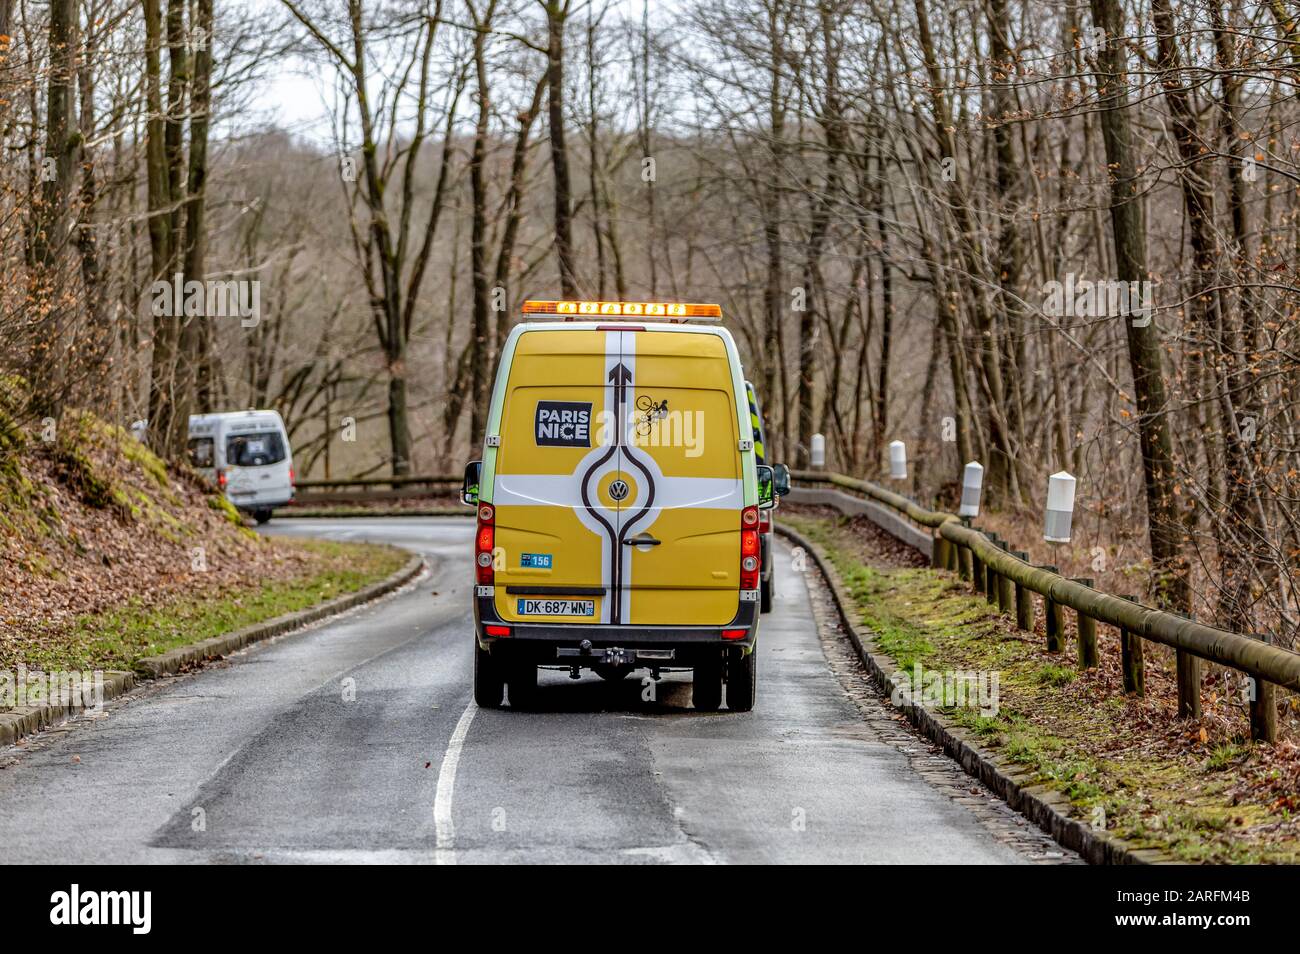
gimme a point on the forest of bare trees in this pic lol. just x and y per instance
(1043, 236)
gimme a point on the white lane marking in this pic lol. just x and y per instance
(444, 829)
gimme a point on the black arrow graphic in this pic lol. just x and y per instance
(621, 377)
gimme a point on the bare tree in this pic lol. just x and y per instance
(1145, 360)
(393, 259)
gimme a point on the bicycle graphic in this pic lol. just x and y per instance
(652, 411)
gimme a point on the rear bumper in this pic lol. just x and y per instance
(251, 505)
(540, 640)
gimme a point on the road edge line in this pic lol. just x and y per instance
(29, 719)
(1045, 808)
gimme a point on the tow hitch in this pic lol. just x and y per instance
(611, 656)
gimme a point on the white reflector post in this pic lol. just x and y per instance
(1060, 508)
(818, 451)
(972, 485)
(898, 460)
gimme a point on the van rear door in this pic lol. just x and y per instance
(258, 465)
(555, 484)
(682, 459)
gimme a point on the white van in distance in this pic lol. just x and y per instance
(247, 455)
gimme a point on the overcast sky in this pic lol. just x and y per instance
(296, 93)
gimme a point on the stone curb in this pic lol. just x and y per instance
(1047, 809)
(25, 720)
(20, 722)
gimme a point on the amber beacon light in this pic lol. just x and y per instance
(666, 310)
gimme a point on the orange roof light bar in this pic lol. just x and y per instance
(666, 310)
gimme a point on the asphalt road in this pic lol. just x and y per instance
(357, 740)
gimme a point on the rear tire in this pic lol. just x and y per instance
(521, 685)
(765, 595)
(742, 680)
(706, 685)
(488, 681)
(262, 516)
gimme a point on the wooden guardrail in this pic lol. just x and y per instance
(1008, 580)
(361, 490)
(436, 480)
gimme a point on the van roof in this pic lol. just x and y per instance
(252, 416)
(622, 324)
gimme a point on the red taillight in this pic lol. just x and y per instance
(493, 630)
(765, 522)
(484, 544)
(734, 633)
(292, 477)
(751, 558)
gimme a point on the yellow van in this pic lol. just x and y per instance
(618, 503)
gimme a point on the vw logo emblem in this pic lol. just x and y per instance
(618, 490)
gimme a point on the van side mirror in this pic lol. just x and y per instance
(766, 487)
(469, 487)
(780, 479)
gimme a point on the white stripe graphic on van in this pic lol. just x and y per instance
(642, 505)
(596, 465)
(560, 490)
(620, 372)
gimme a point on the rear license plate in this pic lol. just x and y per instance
(556, 608)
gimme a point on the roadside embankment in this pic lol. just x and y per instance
(109, 556)
(1123, 765)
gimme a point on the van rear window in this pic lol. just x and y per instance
(254, 450)
(201, 451)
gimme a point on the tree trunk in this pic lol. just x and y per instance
(193, 371)
(593, 157)
(1010, 248)
(1235, 342)
(1145, 357)
(49, 372)
(832, 123)
(880, 396)
(165, 326)
(986, 358)
(479, 353)
(556, 14)
(774, 297)
(196, 217)
(98, 338)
